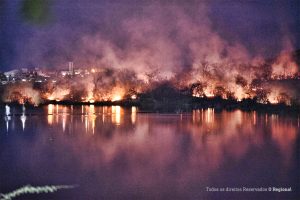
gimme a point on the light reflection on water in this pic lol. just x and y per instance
(115, 152)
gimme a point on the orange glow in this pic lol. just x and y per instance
(273, 99)
(208, 92)
(116, 115)
(209, 118)
(50, 114)
(133, 114)
(284, 65)
(58, 94)
(116, 98)
(209, 95)
(92, 117)
(64, 118)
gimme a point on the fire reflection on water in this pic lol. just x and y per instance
(284, 135)
(204, 119)
(64, 118)
(90, 118)
(133, 114)
(196, 144)
(23, 117)
(254, 118)
(89, 115)
(116, 115)
(50, 114)
(228, 124)
(7, 117)
(200, 123)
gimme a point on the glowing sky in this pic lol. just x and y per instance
(35, 33)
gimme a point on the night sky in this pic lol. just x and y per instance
(135, 33)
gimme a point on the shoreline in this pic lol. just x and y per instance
(182, 106)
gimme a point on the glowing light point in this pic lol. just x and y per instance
(23, 120)
(117, 98)
(7, 110)
(133, 96)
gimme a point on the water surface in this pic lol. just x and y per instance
(121, 153)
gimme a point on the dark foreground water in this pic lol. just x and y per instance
(118, 153)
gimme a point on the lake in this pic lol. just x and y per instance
(122, 153)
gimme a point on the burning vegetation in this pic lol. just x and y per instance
(204, 83)
(168, 54)
(21, 94)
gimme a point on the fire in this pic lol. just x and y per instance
(21, 94)
(202, 90)
(117, 94)
(208, 92)
(116, 97)
(277, 96)
(273, 99)
(89, 98)
(285, 66)
(113, 85)
(144, 52)
(205, 92)
(58, 94)
(240, 94)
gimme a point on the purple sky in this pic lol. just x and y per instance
(75, 30)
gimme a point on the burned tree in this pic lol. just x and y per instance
(196, 89)
(239, 80)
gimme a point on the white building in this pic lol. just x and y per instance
(12, 73)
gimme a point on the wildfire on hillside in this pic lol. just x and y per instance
(184, 46)
(109, 85)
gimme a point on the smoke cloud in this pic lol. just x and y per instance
(210, 42)
(142, 35)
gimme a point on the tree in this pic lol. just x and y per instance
(239, 80)
(196, 89)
